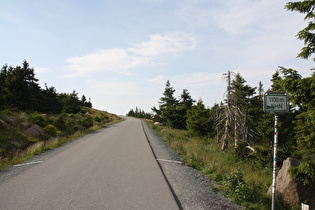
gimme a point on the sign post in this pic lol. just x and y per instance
(275, 103)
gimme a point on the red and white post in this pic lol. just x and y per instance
(274, 172)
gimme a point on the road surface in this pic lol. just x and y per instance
(113, 168)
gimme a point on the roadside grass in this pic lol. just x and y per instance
(42, 146)
(203, 153)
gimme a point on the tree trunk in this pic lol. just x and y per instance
(225, 140)
(218, 125)
(246, 127)
(235, 127)
(227, 115)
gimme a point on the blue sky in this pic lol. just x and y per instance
(121, 53)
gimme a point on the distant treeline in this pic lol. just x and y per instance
(139, 113)
(19, 89)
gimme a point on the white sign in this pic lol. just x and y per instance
(276, 103)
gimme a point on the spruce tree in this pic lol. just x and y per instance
(198, 120)
(185, 104)
(167, 112)
(307, 34)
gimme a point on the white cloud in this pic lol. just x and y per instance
(112, 88)
(242, 16)
(40, 69)
(158, 79)
(121, 60)
(165, 44)
(234, 16)
(259, 35)
(190, 81)
(115, 59)
(197, 79)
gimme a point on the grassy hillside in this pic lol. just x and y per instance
(24, 134)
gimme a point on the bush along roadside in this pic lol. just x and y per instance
(25, 134)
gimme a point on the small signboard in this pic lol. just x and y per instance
(276, 103)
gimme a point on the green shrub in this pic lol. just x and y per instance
(51, 130)
(263, 157)
(241, 152)
(60, 123)
(70, 126)
(101, 118)
(304, 172)
(98, 119)
(38, 120)
(87, 122)
(235, 186)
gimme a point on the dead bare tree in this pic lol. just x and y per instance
(237, 124)
(218, 123)
(241, 126)
(235, 114)
(228, 114)
(240, 100)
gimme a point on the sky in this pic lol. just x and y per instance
(121, 53)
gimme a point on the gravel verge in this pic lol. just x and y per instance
(191, 187)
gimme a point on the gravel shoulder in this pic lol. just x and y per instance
(191, 187)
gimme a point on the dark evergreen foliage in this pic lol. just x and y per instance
(307, 34)
(199, 122)
(19, 88)
(138, 113)
(172, 112)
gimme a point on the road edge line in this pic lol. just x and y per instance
(168, 183)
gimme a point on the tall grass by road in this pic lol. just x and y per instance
(243, 181)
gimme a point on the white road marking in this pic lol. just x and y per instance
(30, 163)
(170, 161)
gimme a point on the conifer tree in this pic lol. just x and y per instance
(19, 89)
(168, 106)
(307, 35)
(198, 120)
(185, 104)
(302, 98)
(241, 102)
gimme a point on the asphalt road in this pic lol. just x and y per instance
(113, 168)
